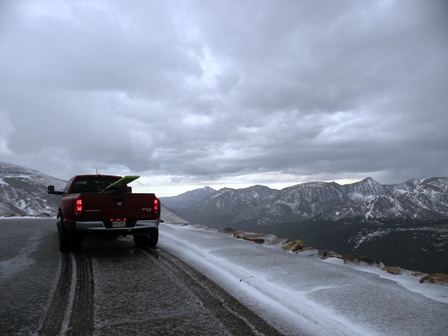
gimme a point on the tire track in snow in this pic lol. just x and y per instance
(238, 319)
(81, 315)
(71, 309)
(56, 311)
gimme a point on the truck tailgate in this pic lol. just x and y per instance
(107, 207)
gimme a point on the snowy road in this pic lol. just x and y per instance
(111, 288)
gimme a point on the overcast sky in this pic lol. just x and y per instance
(235, 93)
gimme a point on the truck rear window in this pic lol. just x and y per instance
(93, 184)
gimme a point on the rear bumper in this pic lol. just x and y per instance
(98, 226)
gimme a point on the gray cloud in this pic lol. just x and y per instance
(205, 91)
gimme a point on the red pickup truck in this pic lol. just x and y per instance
(104, 205)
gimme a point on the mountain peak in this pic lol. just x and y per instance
(188, 198)
(369, 180)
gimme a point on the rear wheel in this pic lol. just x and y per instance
(149, 239)
(68, 241)
(64, 239)
(76, 242)
(153, 237)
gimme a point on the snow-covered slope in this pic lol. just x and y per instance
(365, 190)
(305, 201)
(427, 199)
(23, 191)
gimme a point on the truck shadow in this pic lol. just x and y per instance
(119, 248)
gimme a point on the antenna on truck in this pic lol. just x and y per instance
(96, 171)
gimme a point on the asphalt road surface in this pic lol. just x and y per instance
(110, 288)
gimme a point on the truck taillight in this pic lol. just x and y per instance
(156, 205)
(78, 206)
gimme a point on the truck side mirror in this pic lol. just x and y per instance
(52, 191)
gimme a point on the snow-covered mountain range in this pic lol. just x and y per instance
(23, 192)
(367, 199)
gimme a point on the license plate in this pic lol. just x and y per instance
(118, 224)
